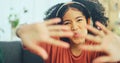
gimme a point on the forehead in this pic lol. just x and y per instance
(72, 13)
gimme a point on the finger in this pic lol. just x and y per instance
(59, 27)
(95, 39)
(102, 27)
(104, 59)
(94, 30)
(52, 21)
(61, 34)
(34, 48)
(58, 43)
(91, 48)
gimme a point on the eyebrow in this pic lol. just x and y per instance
(78, 17)
(75, 18)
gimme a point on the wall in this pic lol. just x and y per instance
(35, 13)
(112, 10)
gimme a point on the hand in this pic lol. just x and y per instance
(33, 34)
(107, 42)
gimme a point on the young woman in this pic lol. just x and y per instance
(74, 15)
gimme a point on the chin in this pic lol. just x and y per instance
(78, 41)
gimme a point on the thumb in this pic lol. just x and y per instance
(36, 49)
(39, 51)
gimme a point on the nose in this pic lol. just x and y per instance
(74, 27)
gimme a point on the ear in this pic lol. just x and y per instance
(90, 21)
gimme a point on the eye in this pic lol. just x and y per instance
(66, 22)
(79, 20)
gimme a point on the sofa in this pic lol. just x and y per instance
(14, 53)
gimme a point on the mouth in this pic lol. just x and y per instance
(76, 35)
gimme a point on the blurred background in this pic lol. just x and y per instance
(16, 12)
(112, 10)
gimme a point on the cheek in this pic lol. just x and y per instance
(86, 31)
(83, 28)
(82, 23)
(70, 26)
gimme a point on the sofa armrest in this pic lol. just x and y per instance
(12, 51)
(29, 57)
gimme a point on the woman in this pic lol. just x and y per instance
(76, 16)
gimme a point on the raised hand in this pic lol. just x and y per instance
(107, 42)
(33, 34)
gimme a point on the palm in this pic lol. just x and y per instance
(110, 42)
(33, 34)
(107, 42)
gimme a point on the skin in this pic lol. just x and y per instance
(32, 35)
(74, 19)
(107, 42)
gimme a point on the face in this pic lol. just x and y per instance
(77, 22)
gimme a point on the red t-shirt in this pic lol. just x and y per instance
(63, 55)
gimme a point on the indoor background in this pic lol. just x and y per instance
(16, 12)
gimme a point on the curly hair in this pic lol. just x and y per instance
(96, 11)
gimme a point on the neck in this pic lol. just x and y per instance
(76, 51)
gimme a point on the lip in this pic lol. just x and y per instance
(76, 35)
